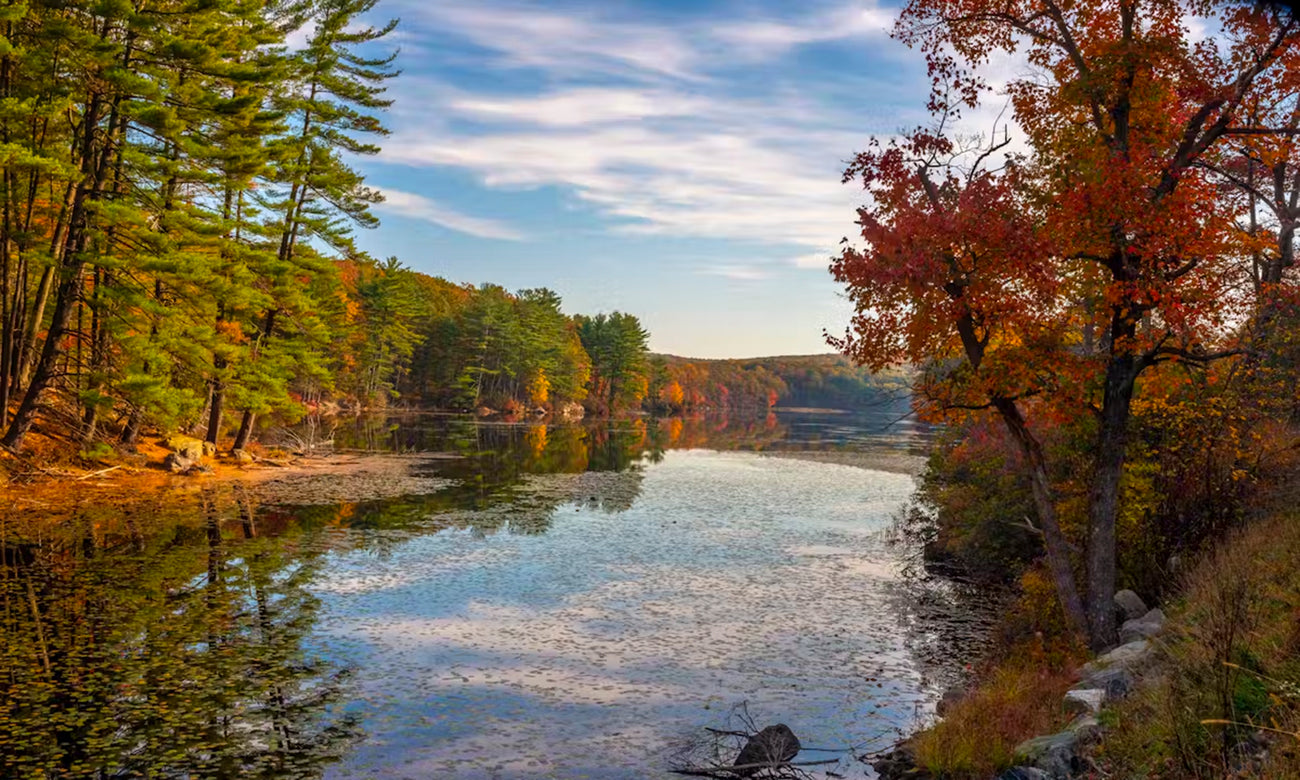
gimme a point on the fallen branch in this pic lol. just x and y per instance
(734, 771)
(97, 473)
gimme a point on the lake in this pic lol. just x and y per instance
(493, 600)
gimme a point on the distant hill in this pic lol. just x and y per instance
(827, 381)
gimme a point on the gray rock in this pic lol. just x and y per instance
(1054, 754)
(1085, 727)
(1085, 701)
(177, 463)
(1130, 605)
(198, 470)
(1131, 656)
(242, 456)
(1144, 627)
(209, 449)
(1116, 681)
(1023, 773)
(773, 745)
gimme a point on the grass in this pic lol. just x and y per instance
(1018, 698)
(1227, 704)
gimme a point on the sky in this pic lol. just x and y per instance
(680, 160)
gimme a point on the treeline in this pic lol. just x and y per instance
(812, 381)
(415, 340)
(423, 341)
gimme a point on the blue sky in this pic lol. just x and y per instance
(677, 160)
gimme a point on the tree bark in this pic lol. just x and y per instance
(1103, 499)
(1054, 542)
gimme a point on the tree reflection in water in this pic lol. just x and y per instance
(136, 647)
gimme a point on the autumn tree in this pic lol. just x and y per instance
(1051, 282)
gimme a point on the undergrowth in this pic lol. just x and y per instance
(1017, 697)
(1227, 703)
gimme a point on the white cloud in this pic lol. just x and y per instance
(647, 121)
(767, 37)
(738, 273)
(409, 204)
(526, 36)
(819, 260)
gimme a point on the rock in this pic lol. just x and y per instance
(1129, 605)
(1085, 701)
(773, 745)
(242, 456)
(571, 411)
(209, 449)
(949, 698)
(1131, 656)
(187, 446)
(1144, 627)
(1023, 773)
(1054, 754)
(1116, 681)
(177, 463)
(198, 470)
(897, 764)
(1085, 727)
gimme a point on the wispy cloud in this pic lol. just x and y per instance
(409, 204)
(657, 125)
(738, 273)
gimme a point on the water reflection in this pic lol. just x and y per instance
(585, 585)
(140, 646)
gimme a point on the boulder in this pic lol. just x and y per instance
(1129, 605)
(198, 470)
(1131, 656)
(209, 449)
(1085, 701)
(242, 456)
(773, 745)
(1054, 754)
(186, 446)
(177, 463)
(1086, 728)
(1115, 681)
(1144, 627)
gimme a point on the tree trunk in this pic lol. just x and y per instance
(1054, 543)
(218, 403)
(1103, 499)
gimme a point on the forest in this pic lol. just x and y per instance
(178, 204)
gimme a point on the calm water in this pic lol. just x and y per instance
(555, 602)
